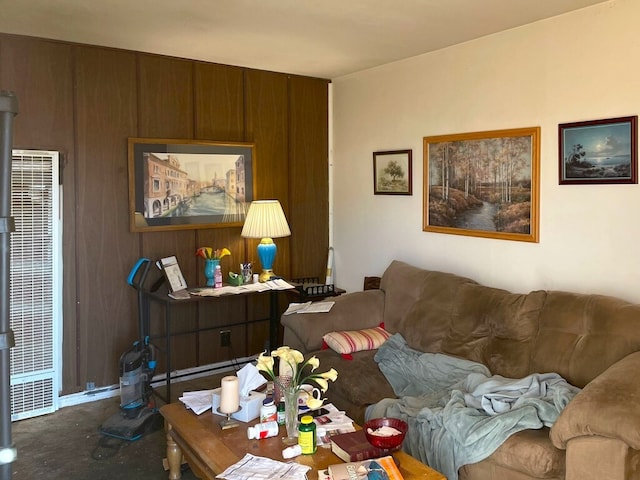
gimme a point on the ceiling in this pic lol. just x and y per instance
(320, 38)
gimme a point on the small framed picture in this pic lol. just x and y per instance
(392, 172)
(598, 151)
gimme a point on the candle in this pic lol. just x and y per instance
(229, 395)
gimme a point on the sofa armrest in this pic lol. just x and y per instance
(609, 406)
(353, 311)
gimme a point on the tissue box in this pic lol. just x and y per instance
(250, 405)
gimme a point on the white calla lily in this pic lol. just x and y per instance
(314, 403)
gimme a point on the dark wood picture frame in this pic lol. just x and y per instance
(393, 172)
(598, 151)
(483, 184)
(188, 184)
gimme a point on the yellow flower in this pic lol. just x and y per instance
(314, 403)
(322, 383)
(265, 364)
(280, 351)
(313, 362)
(209, 253)
(330, 375)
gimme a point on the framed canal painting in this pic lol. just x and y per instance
(483, 184)
(187, 184)
(598, 151)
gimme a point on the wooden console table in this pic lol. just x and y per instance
(209, 450)
(169, 304)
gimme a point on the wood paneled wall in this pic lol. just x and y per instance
(85, 102)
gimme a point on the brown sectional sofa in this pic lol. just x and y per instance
(593, 341)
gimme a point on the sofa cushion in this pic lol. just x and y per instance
(353, 311)
(360, 381)
(347, 342)
(531, 452)
(582, 335)
(427, 319)
(494, 327)
(404, 285)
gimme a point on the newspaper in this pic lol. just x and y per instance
(309, 307)
(277, 284)
(251, 467)
(334, 421)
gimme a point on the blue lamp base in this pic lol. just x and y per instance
(267, 254)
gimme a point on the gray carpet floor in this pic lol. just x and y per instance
(67, 444)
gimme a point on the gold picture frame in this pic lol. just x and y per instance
(483, 184)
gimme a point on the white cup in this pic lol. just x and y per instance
(306, 391)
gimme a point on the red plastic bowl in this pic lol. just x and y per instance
(394, 441)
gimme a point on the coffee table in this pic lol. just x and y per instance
(209, 449)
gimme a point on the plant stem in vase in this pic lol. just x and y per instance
(290, 394)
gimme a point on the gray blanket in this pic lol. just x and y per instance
(457, 412)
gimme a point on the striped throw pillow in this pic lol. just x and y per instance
(347, 342)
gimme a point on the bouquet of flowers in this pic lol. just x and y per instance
(209, 253)
(294, 367)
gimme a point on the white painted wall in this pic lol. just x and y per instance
(580, 66)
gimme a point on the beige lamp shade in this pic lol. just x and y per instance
(265, 218)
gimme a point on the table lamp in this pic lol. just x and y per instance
(266, 220)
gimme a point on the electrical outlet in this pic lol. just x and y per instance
(225, 338)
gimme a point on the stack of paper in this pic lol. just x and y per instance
(309, 307)
(199, 401)
(277, 284)
(335, 421)
(252, 467)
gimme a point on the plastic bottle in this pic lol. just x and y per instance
(307, 435)
(268, 412)
(263, 430)
(281, 417)
(292, 451)
(217, 277)
(321, 438)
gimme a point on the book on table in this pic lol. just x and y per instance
(383, 468)
(354, 446)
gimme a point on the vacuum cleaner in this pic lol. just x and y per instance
(138, 414)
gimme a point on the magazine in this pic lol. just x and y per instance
(383, 468)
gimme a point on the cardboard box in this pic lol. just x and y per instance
(250, 406)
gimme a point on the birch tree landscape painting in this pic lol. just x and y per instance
(483, 184)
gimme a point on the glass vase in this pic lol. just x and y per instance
(210, 265)
(290, 395)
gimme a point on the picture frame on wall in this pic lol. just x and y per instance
(393, 172)
(598, 151)
(483, 184)
(188, 184)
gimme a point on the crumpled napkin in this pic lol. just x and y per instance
(199, 401)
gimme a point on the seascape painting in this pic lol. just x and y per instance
(601, 151)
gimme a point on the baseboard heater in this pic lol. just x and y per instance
(177, 376)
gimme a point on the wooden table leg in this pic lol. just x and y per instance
(174, 455)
